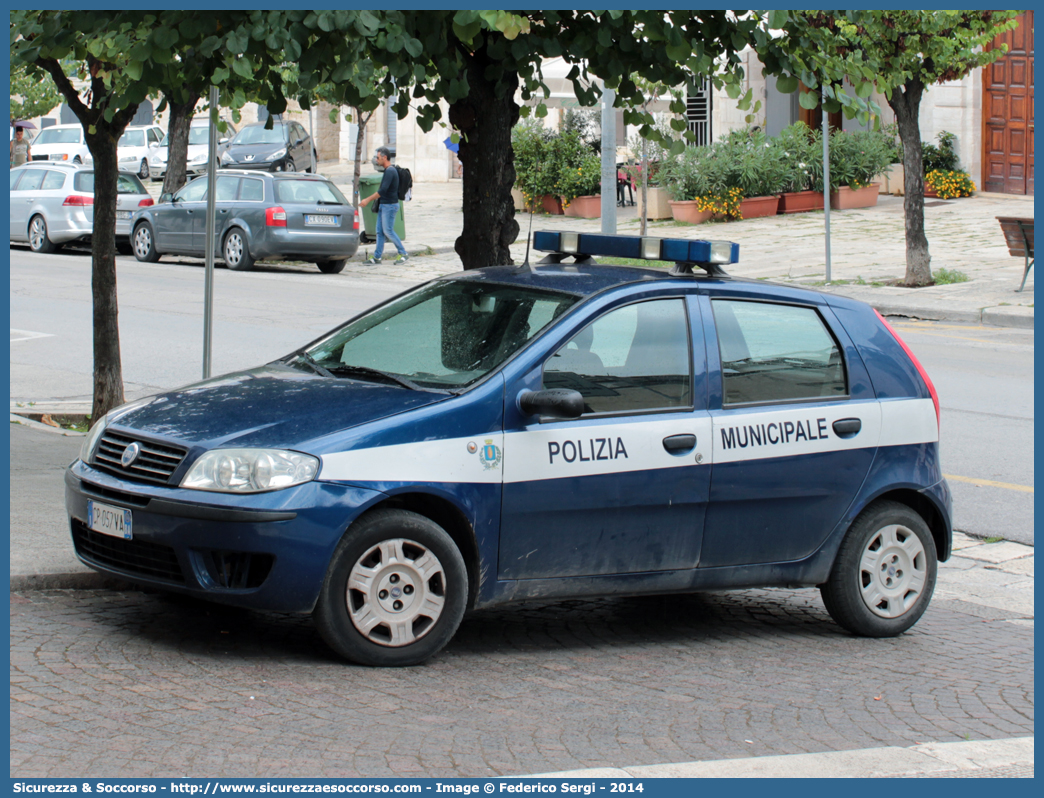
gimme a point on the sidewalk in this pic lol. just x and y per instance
(868, 247)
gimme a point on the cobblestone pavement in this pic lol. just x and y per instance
(107, 683)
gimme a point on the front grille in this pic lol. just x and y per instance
(39, 157)
(155, 463)
(131, 556)
(238, 570)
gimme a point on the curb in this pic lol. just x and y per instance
(937, 759)
(17, 418)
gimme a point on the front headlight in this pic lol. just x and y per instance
(226, 158)
(250, 470)
(275, 156)
(92, 439)
(200, 158)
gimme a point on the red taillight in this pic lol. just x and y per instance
(917, 364)
(275, 217)
(355, 224)
(146, 201)
(78, 200)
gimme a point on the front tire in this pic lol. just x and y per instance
(143, 172)
(289, 166)
(236, 252)
(395, 591)
(331, 266)
(884, 574)
(144, 243)
(38, 239)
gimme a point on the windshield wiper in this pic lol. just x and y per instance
(311, 361)
(344, 368)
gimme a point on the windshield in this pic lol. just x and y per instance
(132, 138)
(308, 190)
(445, 335)
(67, 136)
(258, 135)
(197, 135)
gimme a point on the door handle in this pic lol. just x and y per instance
(679, 444)
(847, 427)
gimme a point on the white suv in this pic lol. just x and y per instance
(136, 147)
(61, 143)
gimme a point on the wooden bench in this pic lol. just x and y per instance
(1018, 233)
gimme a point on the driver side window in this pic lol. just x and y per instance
(635, 358)
(193, 192)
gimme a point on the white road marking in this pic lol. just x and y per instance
(27, 335)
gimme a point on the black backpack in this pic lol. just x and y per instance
(405, 184)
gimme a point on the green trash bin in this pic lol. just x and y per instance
(369, 184)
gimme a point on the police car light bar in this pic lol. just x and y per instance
(685, 253)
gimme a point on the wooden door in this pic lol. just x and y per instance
(1007, 114)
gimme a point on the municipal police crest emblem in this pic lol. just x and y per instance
(490, 455)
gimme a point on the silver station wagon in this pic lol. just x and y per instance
(290, 216)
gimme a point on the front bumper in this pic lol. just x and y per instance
(263, 551)
(278, 165)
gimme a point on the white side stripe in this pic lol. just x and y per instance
(610, 446)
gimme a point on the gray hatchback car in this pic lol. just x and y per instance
(258, 215)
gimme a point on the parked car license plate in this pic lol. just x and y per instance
(123, 214)
(110, 520)
(327, 220)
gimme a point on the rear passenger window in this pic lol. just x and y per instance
(772, 353)
(31, 180)
(53, 181)
(252, 190)
(227, 186)
(632, 359)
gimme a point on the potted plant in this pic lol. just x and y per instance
(536, 160)
(580, 187)
(658, 199)
(685, 178)
(745, 160)
(894, 175)
(856, 159)
(941, 158)
(949, 184)
(800, 150)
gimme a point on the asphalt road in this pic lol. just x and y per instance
(984, 374)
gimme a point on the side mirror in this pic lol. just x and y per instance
(167, 197)
(222, 141)
(554, 402)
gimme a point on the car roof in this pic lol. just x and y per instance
(274, 175)
(274, 123)
(139, 127)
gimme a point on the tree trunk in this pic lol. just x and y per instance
(177, 139)
(360, 124)
(108, 368)
(906, 102)
(485, 118)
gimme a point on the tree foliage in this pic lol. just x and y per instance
(30, 96)
(901, 54)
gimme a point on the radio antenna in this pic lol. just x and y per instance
(529, 237)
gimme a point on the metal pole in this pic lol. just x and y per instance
(311, 135)
(608, 162)
(826, 182)
(208, 279)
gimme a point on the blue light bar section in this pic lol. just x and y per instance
(680, 250)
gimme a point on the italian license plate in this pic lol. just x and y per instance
(109, 520)
(330, 221)
(123, 214)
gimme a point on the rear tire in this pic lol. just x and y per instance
(143, 241)
(395, 590)
(332, 266)
(236, 252)
(884, 574)
(38, 239)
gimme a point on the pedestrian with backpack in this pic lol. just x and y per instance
(386, 208)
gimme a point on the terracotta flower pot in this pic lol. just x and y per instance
(801, 201)
(687, 211)
(845, 197)
(659, 203)
(551, 204)
(587, 207)
(753, 207)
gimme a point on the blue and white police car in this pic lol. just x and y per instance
(516, 433)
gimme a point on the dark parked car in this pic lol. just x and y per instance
(294, 216)
(287, 147)
(567, 430)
